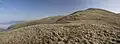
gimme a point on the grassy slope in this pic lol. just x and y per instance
(47, 20)
(91, 14)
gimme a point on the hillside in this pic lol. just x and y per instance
(90, 26)
(118, 14)
(47, 20)
(91, 15)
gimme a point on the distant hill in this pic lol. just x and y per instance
(5, 25)
(12, 22)
(47, 20)
(1, 29)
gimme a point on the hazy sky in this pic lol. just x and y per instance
(11, 10)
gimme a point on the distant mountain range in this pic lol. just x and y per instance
(7, 24)
(12, 22)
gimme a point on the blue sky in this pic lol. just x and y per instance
(12, 10)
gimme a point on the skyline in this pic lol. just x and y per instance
(15, 10)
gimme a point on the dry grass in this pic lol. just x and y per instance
(99, 15)
(118, 14)
(91, 14)
(47, 20)
(63, 34)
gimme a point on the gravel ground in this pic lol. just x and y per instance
(63, 34)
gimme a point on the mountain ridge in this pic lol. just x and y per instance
(88, 14)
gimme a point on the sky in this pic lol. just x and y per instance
(15, 10)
